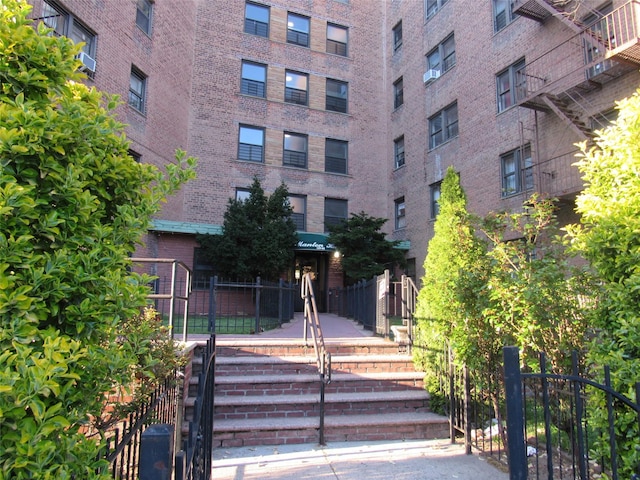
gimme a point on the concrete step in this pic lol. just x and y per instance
(338, 428)
(278, 406)
(299, 364)
(309, 383)
(297, 347)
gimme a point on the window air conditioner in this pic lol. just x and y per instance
(88, 63)
(430, 75)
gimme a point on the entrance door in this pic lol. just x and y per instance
(315, 263)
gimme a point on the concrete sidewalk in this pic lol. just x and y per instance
(396, 460)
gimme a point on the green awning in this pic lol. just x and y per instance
(316, 242)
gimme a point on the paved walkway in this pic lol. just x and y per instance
(333, 327)
(397, 460)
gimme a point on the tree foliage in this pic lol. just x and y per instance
(365, 250)
(608, 237)
(73, 205)
(258, 237)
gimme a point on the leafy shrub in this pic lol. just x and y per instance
(73, 205)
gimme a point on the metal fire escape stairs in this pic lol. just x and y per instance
(610, 45)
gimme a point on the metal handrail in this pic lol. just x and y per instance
(323, 357)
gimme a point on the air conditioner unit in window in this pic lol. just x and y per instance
(88, 63)
(430, 75)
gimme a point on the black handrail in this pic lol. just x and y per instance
(323, 357)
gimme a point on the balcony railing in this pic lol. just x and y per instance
(601, 52)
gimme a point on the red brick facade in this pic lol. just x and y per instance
(193, 61)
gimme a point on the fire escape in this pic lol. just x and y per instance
(601, 50)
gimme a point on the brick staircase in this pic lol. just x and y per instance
(267, 393)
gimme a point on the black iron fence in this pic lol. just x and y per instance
(552, 425)
(357, 301)
(227, 306)
(124, 438)
(194, 461)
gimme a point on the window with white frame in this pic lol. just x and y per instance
(434, 194)
(144, 9)
(299, 209)
(397, 36)
(398, 152)
(335, 212)
(443, 126)
(251, 144)
(398, 93)
(443, 57)
(335, 156)
(337, 39)
(336, 91)
(298, 29)
(296, 88)
(511, 85)
(400, 213)
(432, 6)
(517, 171)
(295, 150)
(137, 89)
(502, 14)
(256, 19)
(254, 79)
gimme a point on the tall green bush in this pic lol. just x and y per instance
(453, 250)
(609, 238)
(73, 206)
(258, 236)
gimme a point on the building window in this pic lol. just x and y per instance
(144, 9)
(398, 152)
(398, 93)
(256, 19)
(298, 214)
(443, 57)
(335, 212)
(434, 191)
(397, 36)
(242, 194)
(443, 126)
(295, 150)
(137, 89)
(400, 213)
(335, 156)
(295, 90)
(135, 155)
(337, 39)
(66, 25)
(254, 79)
(511, 85)
(517, 171)
(251, 144)
(298, 29)
(502, 13)
(202, 270)
(432, 6)
(336, 96)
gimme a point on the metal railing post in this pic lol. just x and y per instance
(515, 423)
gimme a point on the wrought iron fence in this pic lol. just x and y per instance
(228, 306)
(249, 307)
(194, 462)
(551, 423)
(124, 437)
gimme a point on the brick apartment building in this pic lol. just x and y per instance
(356, 105)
